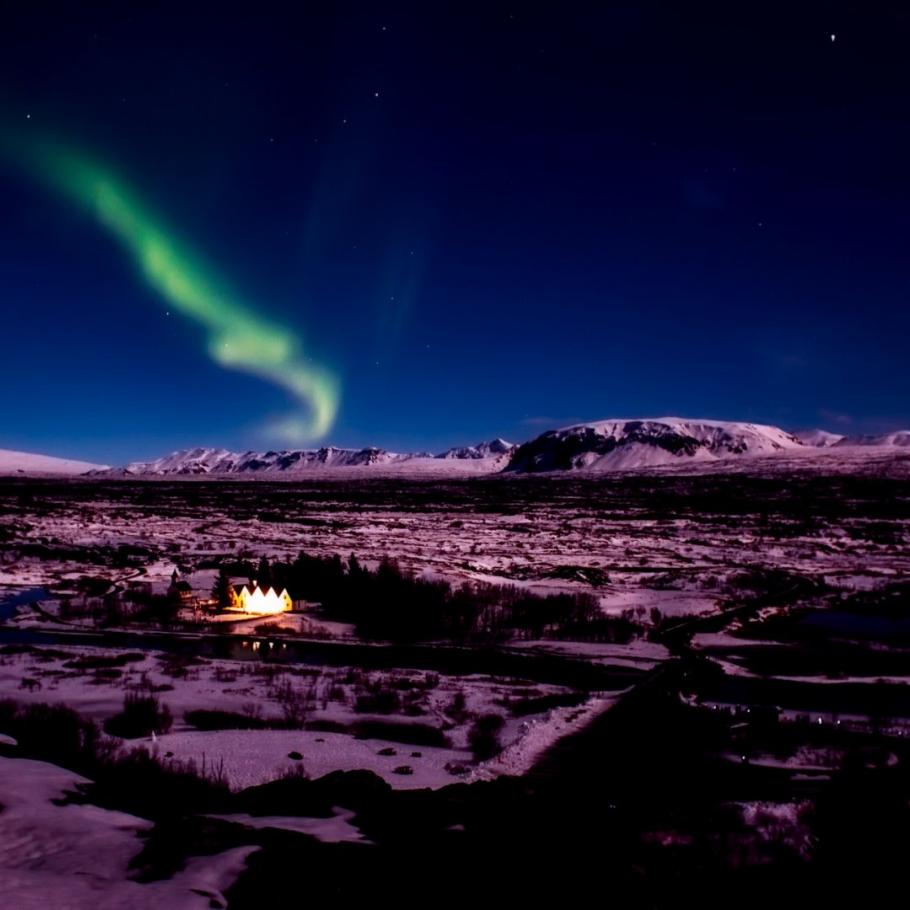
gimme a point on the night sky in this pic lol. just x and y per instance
(420, 225)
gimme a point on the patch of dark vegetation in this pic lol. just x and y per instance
(777, 586)
(213, 719)
(104, 661)
(130, 781)
(590, 575)
(410, 734)
(142, 715)
(142, 784)
(483, 737)
(40, 653)
(386, 603)
(384, 701)
(324, 725)
(522, 707)
(178, 666)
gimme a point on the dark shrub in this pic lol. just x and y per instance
(144, 785)
(203, 719)
(483, 737)
(385, 701)
(56, 734)
(410, 734)
(142, 715)
(324, 725)
(104, 661)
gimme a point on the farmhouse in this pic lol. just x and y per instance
(253, 598)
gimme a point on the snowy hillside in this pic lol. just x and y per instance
(221, 461)
(495, 449)
(490, 456)
(28, 463)
(819, 439)
(899, 439)
(616, 445)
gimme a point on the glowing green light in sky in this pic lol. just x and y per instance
(238, 338)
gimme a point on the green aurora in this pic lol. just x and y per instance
(238, 338)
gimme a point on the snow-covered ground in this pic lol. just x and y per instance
(339, 828)
(324, 694)
(628, 560)
(251, 757)
(77, 857)
(519, 757)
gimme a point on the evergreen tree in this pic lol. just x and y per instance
(221, 590)
(264, 573)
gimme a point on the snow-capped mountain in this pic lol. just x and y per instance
(603, 445)
(221, 461)
(494, 449)
(898, 439)
(29, 463)
(616, 445)
(819, 439)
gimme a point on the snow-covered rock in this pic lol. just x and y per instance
(29, 463)
(616, 445)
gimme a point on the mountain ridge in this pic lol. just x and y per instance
(615, 444)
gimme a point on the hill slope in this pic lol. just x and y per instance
(616, 445)
(28, 463)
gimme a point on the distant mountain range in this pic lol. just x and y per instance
(596, 447)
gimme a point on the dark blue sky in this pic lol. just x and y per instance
(550, 213)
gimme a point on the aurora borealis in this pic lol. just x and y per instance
(423, 226)
(238, 336)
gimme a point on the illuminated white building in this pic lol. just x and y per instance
(254, 598)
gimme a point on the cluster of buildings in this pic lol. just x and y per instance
(253, 598)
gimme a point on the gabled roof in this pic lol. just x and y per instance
(256, 587)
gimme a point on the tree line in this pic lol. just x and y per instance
(390, 604)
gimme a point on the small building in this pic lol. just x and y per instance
(180, 589)
(264, 599)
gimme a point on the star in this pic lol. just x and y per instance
(375, 94)
(832, 38)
